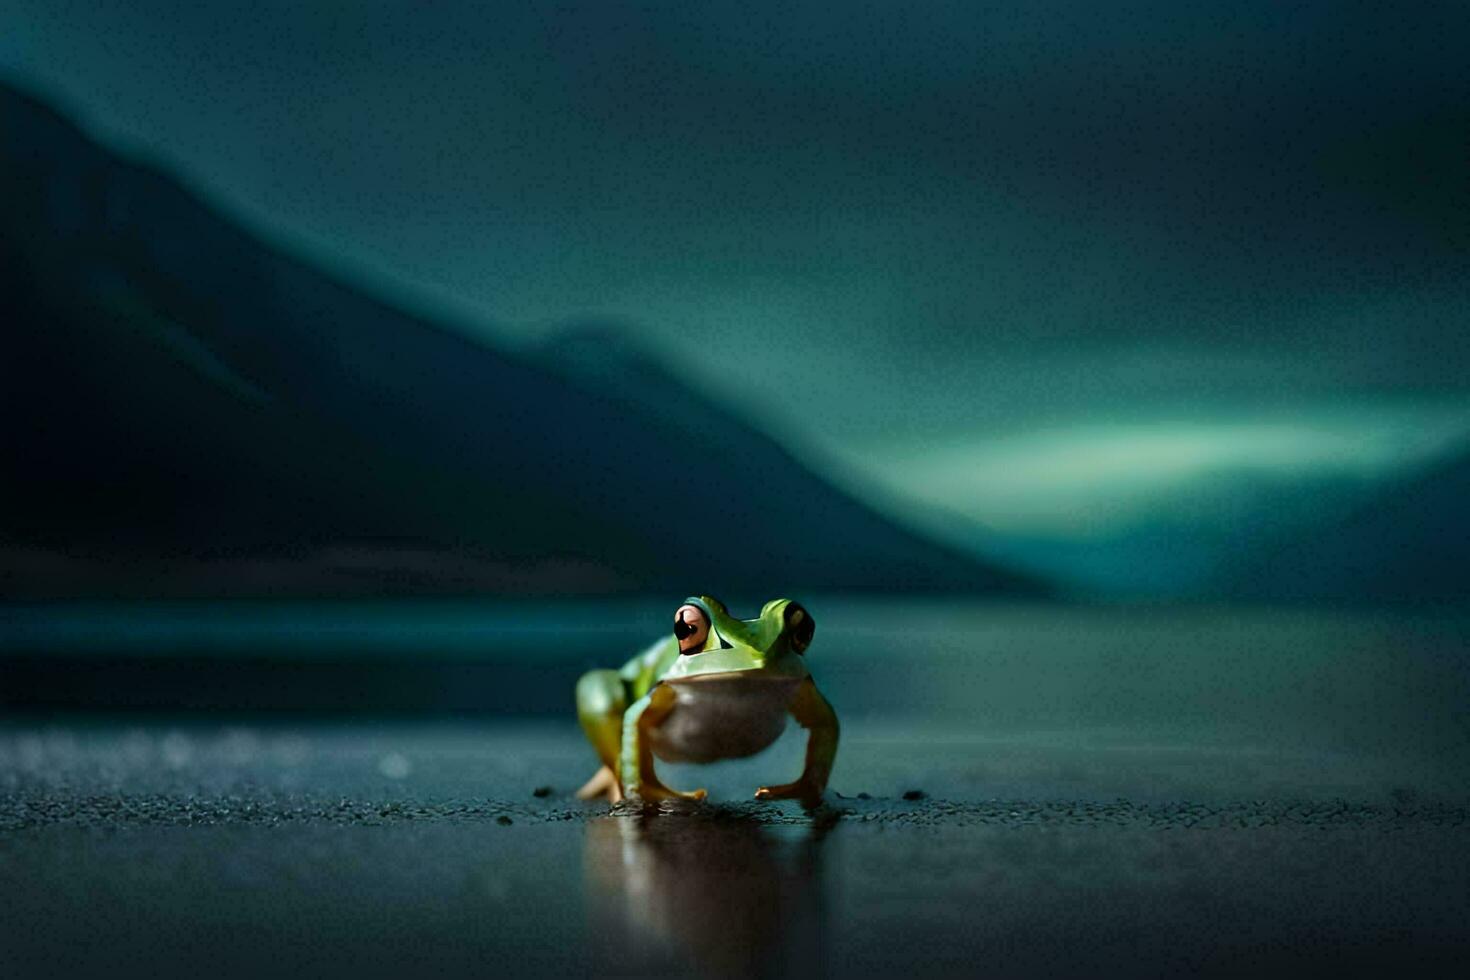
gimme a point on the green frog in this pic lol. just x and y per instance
(716, 688)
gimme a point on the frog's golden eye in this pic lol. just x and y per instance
(691, 628)
(800, 627)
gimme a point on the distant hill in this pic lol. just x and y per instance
(1411, 543)
(188, 411)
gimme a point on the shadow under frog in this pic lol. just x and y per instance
(713, 889)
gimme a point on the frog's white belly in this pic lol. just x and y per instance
(723, 716)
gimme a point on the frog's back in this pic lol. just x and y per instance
(647, 668)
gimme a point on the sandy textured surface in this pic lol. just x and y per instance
(168, 850)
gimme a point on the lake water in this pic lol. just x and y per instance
(362, 790)
(984, 698)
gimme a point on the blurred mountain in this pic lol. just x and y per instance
(188, 411)
(1410, 543)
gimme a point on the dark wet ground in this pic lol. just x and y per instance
(172, 849)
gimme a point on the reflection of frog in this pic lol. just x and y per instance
(718, 688)
(717, 893)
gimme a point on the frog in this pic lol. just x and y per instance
(714, 688)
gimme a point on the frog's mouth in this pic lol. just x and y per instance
(753, 675)
(727, 664)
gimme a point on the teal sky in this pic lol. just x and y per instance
(1092, 481)
(1038, 266)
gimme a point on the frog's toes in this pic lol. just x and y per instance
(602, 783)
(808, 794)
(655, 794)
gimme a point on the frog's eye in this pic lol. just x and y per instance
(691, 628)
(800, 627)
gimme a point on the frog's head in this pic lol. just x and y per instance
(712, 642)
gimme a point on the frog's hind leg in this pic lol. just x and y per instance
(601, 701)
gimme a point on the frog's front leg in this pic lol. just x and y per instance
(813, 713)
(639, 779)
